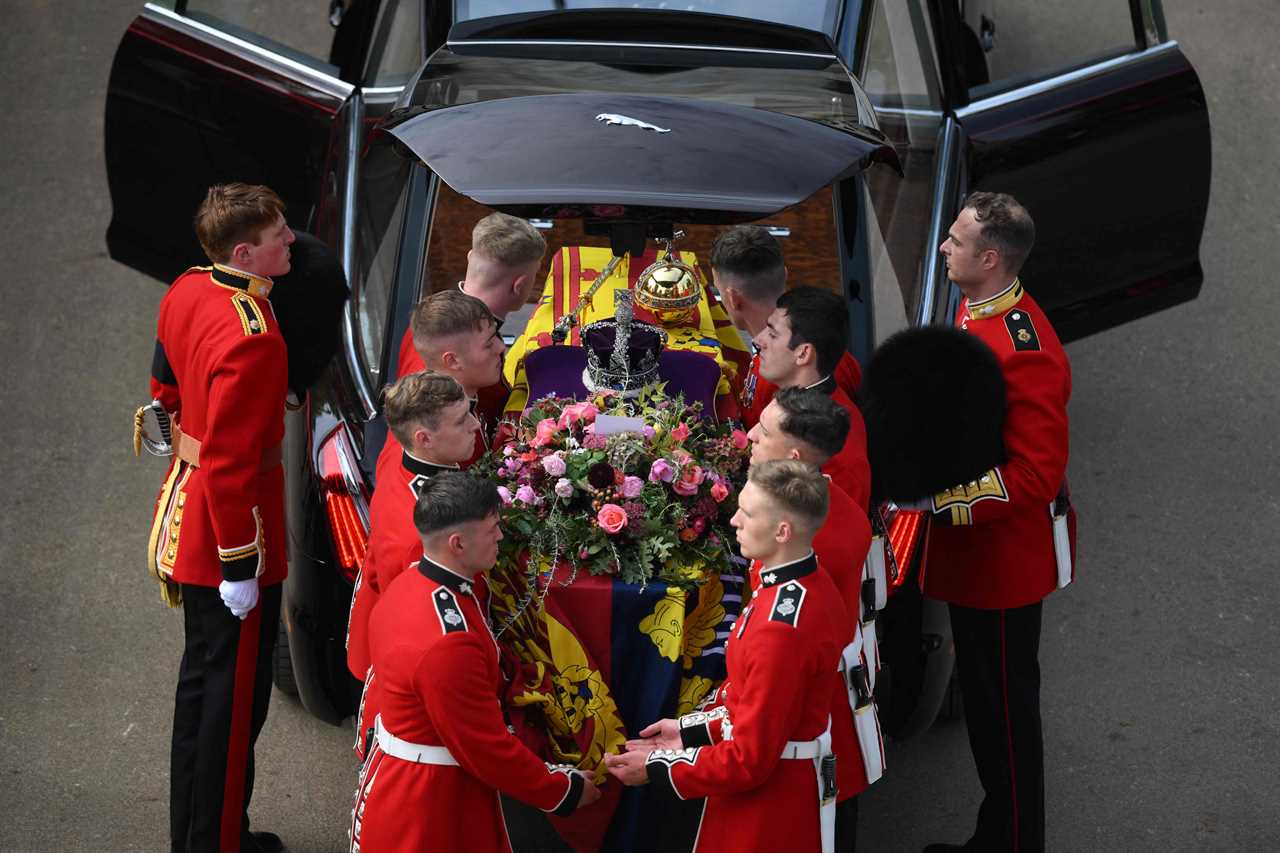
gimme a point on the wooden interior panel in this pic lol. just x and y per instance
(810, 250)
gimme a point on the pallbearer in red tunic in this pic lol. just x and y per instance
(749, 274)
(807, 425)
(218, 537)
(770, 782)
(802, 344)
(442, 751)
(431, 417)
(999, 545)
(454, 334)
(502, 271)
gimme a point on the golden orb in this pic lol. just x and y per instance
(669, 290)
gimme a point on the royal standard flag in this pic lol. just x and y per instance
(573, 270)
(591, 661)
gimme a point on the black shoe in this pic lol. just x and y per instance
(945, 848)
(263, 842)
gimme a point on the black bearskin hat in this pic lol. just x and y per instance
(934, 403)
(308, 302)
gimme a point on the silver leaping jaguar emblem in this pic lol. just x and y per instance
(614, 118)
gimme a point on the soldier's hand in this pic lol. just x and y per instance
(664, 734)
(628, 767)
(239, 596)
(590, 793)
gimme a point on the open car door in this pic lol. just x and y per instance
(1098, 124)
(195, 100)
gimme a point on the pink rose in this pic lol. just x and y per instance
(584, 412)
(547, 428)
(719, 491)
(740, 439)
(526, 494)
(564, 488)
(682, 457)
(661, 471)
(632, 487)
(505, 494)
(690, 479)
(612, 518)
(553, 465)
(681, 432)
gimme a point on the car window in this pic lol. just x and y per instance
(892, 291)
(899, 72)
(384, 188)
(1014, 44)
(396, 53)
(304, 37)
(898, 69)
(822, 17)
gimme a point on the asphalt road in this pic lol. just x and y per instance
(1161, 674)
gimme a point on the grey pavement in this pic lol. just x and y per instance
(1161, 674)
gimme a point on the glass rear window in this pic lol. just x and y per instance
(821, 17)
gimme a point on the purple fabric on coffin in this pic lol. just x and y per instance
(558, 370)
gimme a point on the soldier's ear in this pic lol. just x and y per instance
(242, 253)
(783, 532)
(805, 353)
(794, 453)
(455, 543)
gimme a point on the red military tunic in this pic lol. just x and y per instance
(221, 369)
(782, 657)
(438, 676)
(991, 541)
(849, 469)
(841, 547)
(394, 543)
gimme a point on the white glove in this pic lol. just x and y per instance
(239, 596)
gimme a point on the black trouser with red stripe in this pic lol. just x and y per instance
(224, 687)
(997, 652)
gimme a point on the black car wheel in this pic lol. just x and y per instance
(282, 664)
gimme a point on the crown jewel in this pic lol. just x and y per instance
(622, 353)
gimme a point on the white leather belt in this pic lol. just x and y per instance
(802, 748)
(415, 752)
(814, 750)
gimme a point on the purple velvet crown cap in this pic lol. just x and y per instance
(558, 370)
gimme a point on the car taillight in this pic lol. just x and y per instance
(345, 500)
(904, 536)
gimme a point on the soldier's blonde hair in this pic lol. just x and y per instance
(797, 488)
(507, 240)
(418, 399)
